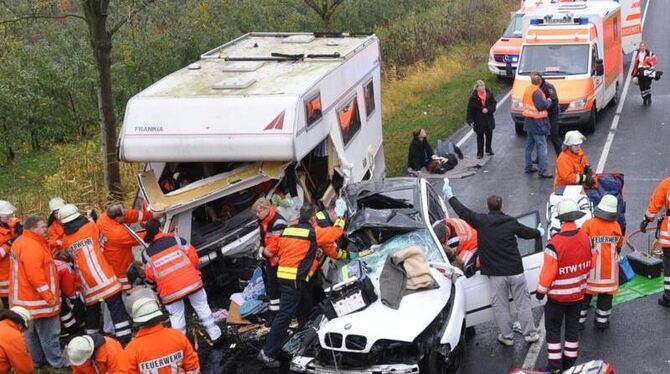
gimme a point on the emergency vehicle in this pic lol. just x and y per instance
(578, 48)
(297, 114)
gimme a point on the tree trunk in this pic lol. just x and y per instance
(96, 12)
(9, 150)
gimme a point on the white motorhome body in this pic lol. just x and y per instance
(248, 109)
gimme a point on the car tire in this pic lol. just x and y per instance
(590, 126)
(518, 128)
(435, 363)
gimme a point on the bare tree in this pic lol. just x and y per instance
(325, 9)
(96, 15)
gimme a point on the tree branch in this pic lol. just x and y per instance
(42, 16)
(133, 13)
(314, 6)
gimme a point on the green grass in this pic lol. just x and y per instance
(23, 180)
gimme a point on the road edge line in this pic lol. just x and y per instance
(535, 348)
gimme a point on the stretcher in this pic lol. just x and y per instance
(591, 367)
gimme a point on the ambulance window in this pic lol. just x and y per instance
(369, 97)
(313, 109)
(350, 120)
(594, 58)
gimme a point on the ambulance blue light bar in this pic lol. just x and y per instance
(559, 21)
(582, 20)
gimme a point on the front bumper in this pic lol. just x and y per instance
(564, 118)
(502, 70)
(309, 365)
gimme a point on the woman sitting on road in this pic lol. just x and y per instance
(421, 154)
(481, 107)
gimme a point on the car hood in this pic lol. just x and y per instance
(377, 321)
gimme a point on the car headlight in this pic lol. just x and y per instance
(517, 104)
(577, 104)
(491, 57)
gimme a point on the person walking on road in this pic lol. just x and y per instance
(606, 240)
(172, 263)
(644, 61)
(537, 126)
(501, 263)
(481, 106)
(34, 285)
(661, 199)
(572, 165)
(14, 354)
(97, 354)
(554, 136)
(568, 258)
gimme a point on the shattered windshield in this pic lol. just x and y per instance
(422, 238)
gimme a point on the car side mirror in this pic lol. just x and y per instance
(600, 67)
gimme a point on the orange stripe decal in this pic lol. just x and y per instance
(631, 17)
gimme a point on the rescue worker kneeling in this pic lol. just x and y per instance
(97, 354)
(297, 251)
(606, 240)
(567, 262)
(572, 165)
(14, 354)
(173, 265)
(459, 240)
(156, 348)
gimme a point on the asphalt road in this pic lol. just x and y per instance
(638, 338)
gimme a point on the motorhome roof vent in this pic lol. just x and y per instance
(234, 83)
(571, 7)
(242, 66)
(194, 66)
(299, 39)
(332, 43)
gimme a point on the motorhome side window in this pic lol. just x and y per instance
(313, 109)
(369, 97)
(350, 120)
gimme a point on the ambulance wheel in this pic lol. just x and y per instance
(518, 127)
(590, 126)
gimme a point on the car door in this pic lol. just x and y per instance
(477, 291)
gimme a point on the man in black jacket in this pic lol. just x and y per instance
(501, 262)
(550, 91)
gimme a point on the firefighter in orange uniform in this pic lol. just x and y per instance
(606, 240)
(14, 354)
(156, 348)
(572, 166)
(297, 251)
(459, 238)
(117, 241)
(568, 258)
(97, 354)
(271, 224)
(172, 264)
(661, 199)
(33, 284)
(10, 229)
(81, 244)
(55, 232)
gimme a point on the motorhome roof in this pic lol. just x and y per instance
(260, 64)
(577, 9)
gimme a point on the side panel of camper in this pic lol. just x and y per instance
(631, 24)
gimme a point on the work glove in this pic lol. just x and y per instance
(588, 170)
(447, 191)
(340, 207)
(539, 296)
(643, 225)
(540, 229)
(588, 180)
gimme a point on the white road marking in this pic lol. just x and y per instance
(617, 115)
(470, 132)
(535, 348)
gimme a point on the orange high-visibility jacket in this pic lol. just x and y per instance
(7, 237)
(55, 234)
(110, 358)
(14, 354)
(117, 243)
(661, 199)
(568, 259)
(33, 282)
(330, 234)
(606, 241)
(297, 248)
(270, 229)
(529, 109)
(93, 272)
(570, 169)
(465, 236)
(173, 266)
(161, 350)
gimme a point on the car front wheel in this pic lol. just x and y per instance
(437, 363)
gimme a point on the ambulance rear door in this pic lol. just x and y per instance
(631, 25)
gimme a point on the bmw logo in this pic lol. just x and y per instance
(347, 326)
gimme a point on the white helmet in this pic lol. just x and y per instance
(145, 309)
(80, 349)
(568, 210)
(573, 137)
(68, 213)
(607, 208)
(56, 203)
(24, 314)
(6, 208)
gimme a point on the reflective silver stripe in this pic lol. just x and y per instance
(91, 331)
(4, 283)
(37, 312)
(567, 291)
(42, 288)
(122, 332)
(567, 281)
(183, 292)
(94, 297)
(603, 289)
(453, 240)
(568, 353)
(140, 216)
(573, 345)
(274, 308)
(3, 252)
(121, 324)
(542, 288)
(604, 312)
(551, 253)
(163, 260)
(554, 356)
(196, 371)
(602, 319)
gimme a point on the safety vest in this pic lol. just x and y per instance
(297, 252)
(94, 273)
(170, 266)
(529, 109)
(568, 260)
(33, 283)
(460, 235)
(606, 241)
(661, 199)
(162, 350)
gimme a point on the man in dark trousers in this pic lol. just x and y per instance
(501, 262)
(550, 92)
